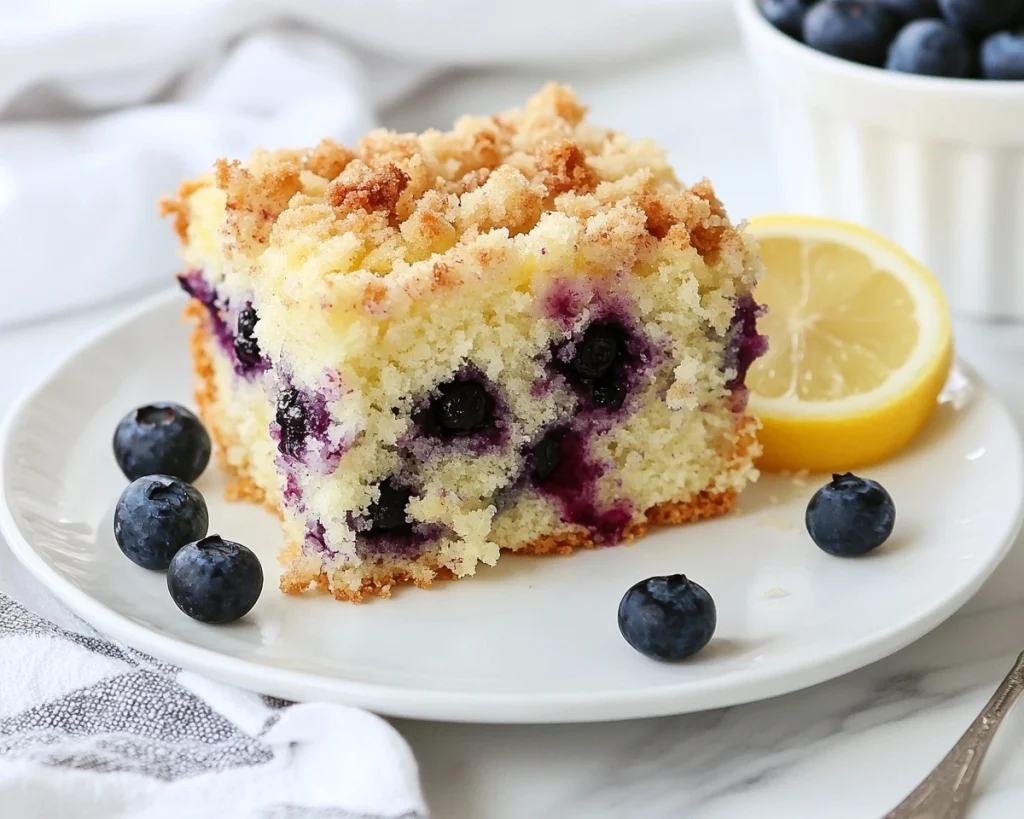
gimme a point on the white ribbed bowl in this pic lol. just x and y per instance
(935, 164)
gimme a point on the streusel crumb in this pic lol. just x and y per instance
(414, 195)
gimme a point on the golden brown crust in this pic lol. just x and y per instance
(704, 505)
(240, 486)
(384, 579)
(177, 206)
(379, 584)
(670, 513)
(563, 543)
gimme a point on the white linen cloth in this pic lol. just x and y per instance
(105, 105)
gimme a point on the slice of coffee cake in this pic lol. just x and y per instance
(520, 334)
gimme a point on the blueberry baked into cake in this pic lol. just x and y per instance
(523, 334)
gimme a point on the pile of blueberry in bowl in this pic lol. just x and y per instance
(970, 39)
(161, 521)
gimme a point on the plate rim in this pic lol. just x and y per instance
(471, 707)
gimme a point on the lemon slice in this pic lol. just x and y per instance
(860, 345)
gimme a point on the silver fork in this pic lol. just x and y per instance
(946, 791)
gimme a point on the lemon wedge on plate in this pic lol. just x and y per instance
(860, 345)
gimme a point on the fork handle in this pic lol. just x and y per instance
(946, 791)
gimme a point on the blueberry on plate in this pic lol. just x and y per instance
(667, 618)
(850, 516)
(1002, 56)
(215, 580)
(980, 16)
(856, 30)
(161, 439)
(155, 516)
(908, 10)
(786, 15)
(932, 47)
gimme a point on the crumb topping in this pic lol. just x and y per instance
(362, 187)
(403, 198)
(562, 167)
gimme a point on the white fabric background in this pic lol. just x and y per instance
(105, 105)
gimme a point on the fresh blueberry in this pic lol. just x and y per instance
(247, 348)
(597, 352)
(462, 407)
(546, 455)
(932, 47)
(388, 513)
(155, 516)
(786, 15)
(609, 393)
(161, 439)
(850, 516)
(1002, 56)
(857, 30)
(980, 16)
(215, 580)
(667, 618)
(293, 420)
(908, 10)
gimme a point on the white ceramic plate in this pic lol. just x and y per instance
(534, 639)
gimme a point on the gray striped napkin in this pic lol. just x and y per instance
(93, 729)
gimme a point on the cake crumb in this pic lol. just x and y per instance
(776, 522)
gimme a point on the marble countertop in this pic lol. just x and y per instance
(849, 748)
